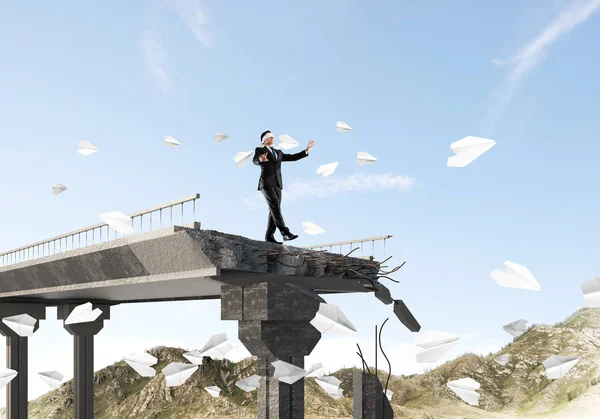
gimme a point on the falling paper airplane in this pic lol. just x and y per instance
(176, 373)
(217, 346)
(171, 142)
(249, 384)
(591, 293)
(327, 169)
(363, 158)
(85, 148)
(195, 357)
(120, 222)
(213, 391)
(557, 366)
(52, 378)
(242, 157)
(59, 188)
(338, 394)
(342, 127)
(83, 314)
(465, 388)
(310, 228)
(515, 276)
(331, 319)
(516, 329)
(435, 345)
(502, 359)
(316, 370)
(22, 324)
(467, 150)
(287, 373)
(220, 136)
(329, 383)
(389, 394)
(6, 376)
(237, 353)
(286, 142)
(142, 364)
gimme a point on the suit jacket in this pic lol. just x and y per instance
(270, 171)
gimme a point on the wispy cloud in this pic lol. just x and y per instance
(156, 59)
(534, 52)
(323, 187)
(194, 16)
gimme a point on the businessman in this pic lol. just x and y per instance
(271, 183)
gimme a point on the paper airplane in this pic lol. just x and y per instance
(467, 150)
(142, 364)
(85, 148)
(557, 366)
(327, 169)
(171, 142)
(331, 319)
(220, 136)
(591, 293)
(195, 357)
(213, 391)
(59, 188)
(465, 388)
(238, 353)
(516, 329)
(217, 346)
(6, 376)
(52, 378)
(316, 370)
(328, 383)
(363, 158)
(310, 228)
(83, 314)
(242, 158)
(435, 345)
(249, 384)
(389, 394)
(342, 127)
(118, 221)
(287, 373)
(22, 324)
(286, 142)
(176, 373)
(502, 359)
(338, 394)
(515, 276)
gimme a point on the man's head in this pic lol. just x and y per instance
(267, 138)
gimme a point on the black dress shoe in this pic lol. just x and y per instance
(272, 240)
(289, 236)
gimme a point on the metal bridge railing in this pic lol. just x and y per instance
(82, 237)
(351, 242)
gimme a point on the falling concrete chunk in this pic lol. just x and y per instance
(557, 366)
(467, 150)
(217, 346)
(22, 324)
(329, 383)
(516, 329)
(316, 370)
(435, 345)
(311, 228)
(331, 319)
(389, 394)
(142, 364)
(52, 378)
(465, 388)
(243, 157)
(220, 136)
(176, 373)
(342, 127)
(85, 148)
(405, 316)
(249, 384)
(213, 391)
(83, 314)
(363, 158)
(59, 188)
(591, 293)
(515, 276)
(6, 376)
(327, 169)
(286, 142)
(287, 373)
(382, 293)
(502, 359)
(171, 142)
(120, 222)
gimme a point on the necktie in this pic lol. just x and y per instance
(273, 153)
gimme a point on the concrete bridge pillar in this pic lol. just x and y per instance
(16, 356)
(274, 324)
(83, 356)
(369, 400)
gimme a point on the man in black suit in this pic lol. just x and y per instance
(271, 183)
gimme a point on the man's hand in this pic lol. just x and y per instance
(262, 158)
(311, 143)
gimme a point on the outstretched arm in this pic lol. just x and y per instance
(297, 156)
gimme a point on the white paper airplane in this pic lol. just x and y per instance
(338, 394)
(286, 142)
(171, 142)
(217, 346)
(118, 221)
(85, 148)
(311, 228)
(557, 366)
(502, 359)
(287, 373)
(220, 136)
(467, 150)
(213, 391)
(435, 345)
(6, 376)
(249, 384)
(331, 319)
(389, 394)
(243, 157)
(142, 364)
(176, 373)
(52, 378)
(83, 314)
(328, 383)
(195, 357)
(327, 169)
(238, 353)
(363, 158)
(591, 293)
(342, 127)
(58, 188)
(22, 324)
(515, 276)
(465, 388)
(516, 329)
(316, 370)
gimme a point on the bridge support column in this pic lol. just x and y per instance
(16, 356)
(83, 356)
(274, 324)
(369, 400)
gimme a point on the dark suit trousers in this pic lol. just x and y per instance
(272, 195)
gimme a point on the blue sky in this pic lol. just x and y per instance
(410, 78)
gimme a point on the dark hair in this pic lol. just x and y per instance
(261, 135)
